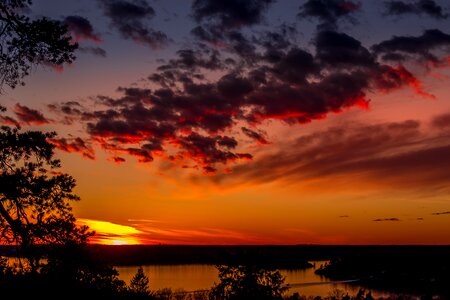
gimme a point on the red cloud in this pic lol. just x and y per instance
(77, 145)
(118, 160)
(9, 121)
(29, 116)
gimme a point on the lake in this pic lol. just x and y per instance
(202, 277)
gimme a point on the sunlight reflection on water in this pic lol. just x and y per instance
(202, 277)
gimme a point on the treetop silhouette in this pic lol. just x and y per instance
(25, 43)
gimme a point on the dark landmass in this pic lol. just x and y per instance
(271, 257)
(420, 270)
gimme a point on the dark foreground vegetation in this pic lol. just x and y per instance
(422, 270)
(81, 277)
(270, 257)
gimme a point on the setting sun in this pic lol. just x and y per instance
(107, 233)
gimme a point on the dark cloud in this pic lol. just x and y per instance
(70, 111)
(344, 216)
(304, 103)
(230, 14)
(131, 127)
(131, 18)
(29, 116)
(209, 150)
(425, 47)
(77, 145)
(295, 66)
(186, 67)
(118, 159)
(143, 155)
(220, 22)
(387, 220)
(259, 137)
(7, 120)
(340, 49)
(329, 11)
(97, 51)
(441, 213)
(421, 7)
(192, 60)
(81, 29)
(275, 41)
(441, 121)
(233, 86)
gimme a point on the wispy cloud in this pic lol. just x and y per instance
(130, 18)
(329, 12)
(77, 145)
(81, 29)
(29, 116)
(387, 220)
(397, 155)
(420, 7)
(441, 213)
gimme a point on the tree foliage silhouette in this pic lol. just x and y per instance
(34, 196)
(25, 43)
(248, 282)
(139, 284)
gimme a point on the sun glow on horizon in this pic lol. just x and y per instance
(107, 233)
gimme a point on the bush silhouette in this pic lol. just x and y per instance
(248, 282)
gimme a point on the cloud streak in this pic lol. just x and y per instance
(424, 47)
(29, 116)
(399, 155)
(77, 145)
(230, 14)
(421, 7)
(130, 19)
(441, 213)
(81, 29)
(329, 12)
(97, 51)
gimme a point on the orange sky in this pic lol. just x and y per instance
(170, 206)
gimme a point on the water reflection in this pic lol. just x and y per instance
(202, 277)
(186, 277)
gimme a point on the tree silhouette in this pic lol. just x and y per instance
(35, 211)
(34, 197)
(248, 282)
(25, 43)
(139, 284)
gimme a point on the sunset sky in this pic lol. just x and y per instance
(251, 121)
